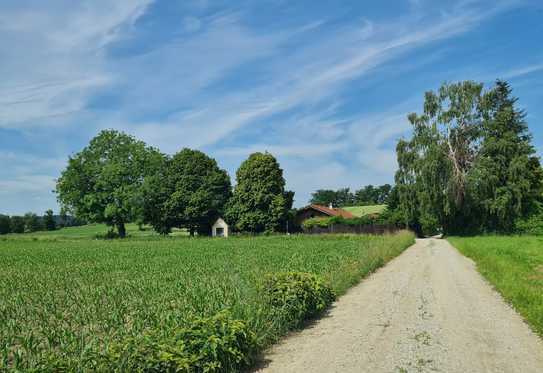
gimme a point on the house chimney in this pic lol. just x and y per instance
(331, 206)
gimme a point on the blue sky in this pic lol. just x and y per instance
(323, 85)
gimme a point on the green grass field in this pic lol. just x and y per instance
(66, 298)
(514, 266)
(90, 231)
(359, 211)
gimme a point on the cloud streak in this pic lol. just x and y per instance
(312, 74)
(53, 56)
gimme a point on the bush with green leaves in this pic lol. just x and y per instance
(321, 222)
(531, 225)
(211, 344)
(297, 296)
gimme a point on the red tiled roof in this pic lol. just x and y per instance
(331, 211)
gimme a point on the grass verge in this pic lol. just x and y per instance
(514, 266)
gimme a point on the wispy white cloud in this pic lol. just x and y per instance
(27, 181)
(307, 76)
(299, 150)
(522, 71)
(53, 58)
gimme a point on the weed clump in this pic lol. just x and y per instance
(212, 344)
(297, 296)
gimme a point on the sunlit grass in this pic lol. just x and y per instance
(514, 265)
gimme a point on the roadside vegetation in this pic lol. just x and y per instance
(159, 303)
(514, 266)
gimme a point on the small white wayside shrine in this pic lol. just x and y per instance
(219, 229)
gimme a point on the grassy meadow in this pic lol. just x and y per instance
(67, 298)
(514, 266)
(90, 231)
(360, 211)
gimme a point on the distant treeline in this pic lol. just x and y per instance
(31, 222)
(366, 196)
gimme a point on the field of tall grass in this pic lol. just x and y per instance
(514, 266)
(154, 303)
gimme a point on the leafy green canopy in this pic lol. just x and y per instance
(49, 221)
(188, 191)
(338, 198)
(5, 224)
(17, 224)
(32, 222)
(470, 164)
(259, 202)
(366, 196)
(103, 182)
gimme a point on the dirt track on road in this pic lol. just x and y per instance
(427, 311)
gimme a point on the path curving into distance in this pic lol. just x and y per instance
(428, 310)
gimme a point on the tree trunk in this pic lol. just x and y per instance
(191, 231)
(121, 229)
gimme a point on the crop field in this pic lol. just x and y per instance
(514, 266)
(360, 211)
(72, 304)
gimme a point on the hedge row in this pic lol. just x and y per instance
(213, 344)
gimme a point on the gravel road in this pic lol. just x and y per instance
(427, 311)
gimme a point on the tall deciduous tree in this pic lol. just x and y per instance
(49, 221)
(337, 198)
(373, 195)
(103, 182)
(324, 197)
(469, 164)
(189, 191)
(259, 202)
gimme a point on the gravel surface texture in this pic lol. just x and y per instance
(428, 310)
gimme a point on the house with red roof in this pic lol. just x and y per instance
(316, 211)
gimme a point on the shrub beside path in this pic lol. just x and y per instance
(428, 310)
